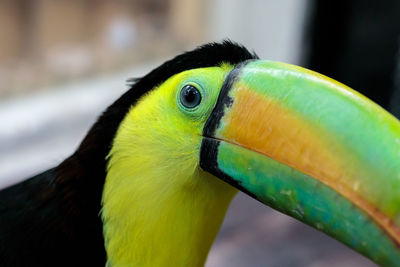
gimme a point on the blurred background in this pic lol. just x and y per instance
(63, 62)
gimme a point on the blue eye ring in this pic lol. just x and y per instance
(190, 96)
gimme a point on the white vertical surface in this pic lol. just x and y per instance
(272, 28)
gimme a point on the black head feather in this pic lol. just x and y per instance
(62, 206)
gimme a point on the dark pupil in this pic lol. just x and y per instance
(190, 96)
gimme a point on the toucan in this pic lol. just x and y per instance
(150, 183)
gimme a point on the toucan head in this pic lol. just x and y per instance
(190, 134)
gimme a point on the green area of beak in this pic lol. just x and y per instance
(306, 199)
(312, 148)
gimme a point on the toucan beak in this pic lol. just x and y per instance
(312, 148)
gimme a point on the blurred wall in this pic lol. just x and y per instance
(47, 42)
(274, 29)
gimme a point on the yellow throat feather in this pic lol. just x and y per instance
(159, 207)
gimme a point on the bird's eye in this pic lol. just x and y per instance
(190, 96)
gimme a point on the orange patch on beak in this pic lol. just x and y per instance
(262, 125)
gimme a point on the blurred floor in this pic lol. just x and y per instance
(256, 235)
